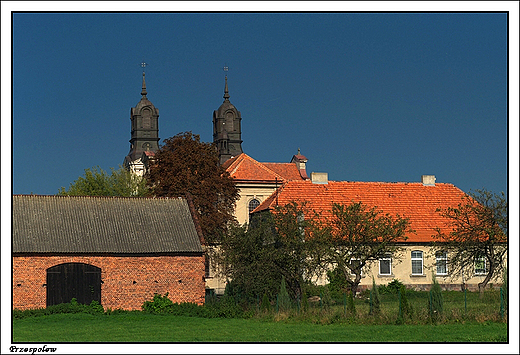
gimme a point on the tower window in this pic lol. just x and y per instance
(254, 203)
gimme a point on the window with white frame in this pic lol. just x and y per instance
(417, 262)
(480, 266)
(254, 203)
(385, 265)
(441, 262)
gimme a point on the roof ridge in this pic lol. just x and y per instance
(256, 163)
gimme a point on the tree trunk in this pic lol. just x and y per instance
(355, 284)
(482, 285)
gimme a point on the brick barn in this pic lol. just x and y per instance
(118, 251)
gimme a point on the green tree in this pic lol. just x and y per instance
(185, 165)
(375, 300)
(284, 301)
(256, 257)
(435, 301)
(247, 257)
(476, 235)
(294, 240)
(357, 235)
(97, 182)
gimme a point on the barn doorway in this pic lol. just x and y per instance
(73, 280)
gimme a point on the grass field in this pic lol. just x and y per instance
(141, 327)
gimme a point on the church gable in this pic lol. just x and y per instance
(245, 168)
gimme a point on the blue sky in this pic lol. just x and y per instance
(365, 96)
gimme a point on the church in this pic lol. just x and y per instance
(144, 139)
(265, 185)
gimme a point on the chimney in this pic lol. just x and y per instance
(428, 180)
(319, 178)
(300, 162)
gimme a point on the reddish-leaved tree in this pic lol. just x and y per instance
(185, 165)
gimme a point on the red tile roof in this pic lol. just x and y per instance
(412, 200)
(244, 168)
(288, 170)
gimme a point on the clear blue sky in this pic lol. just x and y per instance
(365, 96)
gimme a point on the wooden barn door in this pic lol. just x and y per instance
(73, 280)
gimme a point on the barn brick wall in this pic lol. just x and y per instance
(127, 281)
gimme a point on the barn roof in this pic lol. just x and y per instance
(415, 201)
(73, 224)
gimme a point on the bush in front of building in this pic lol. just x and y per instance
(72, 307)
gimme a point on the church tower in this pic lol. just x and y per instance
(144, 134)
(226, 129)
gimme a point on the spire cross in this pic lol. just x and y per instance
(143, 91)
(226, 92)
(143, 65)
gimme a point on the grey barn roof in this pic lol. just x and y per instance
(70, 224)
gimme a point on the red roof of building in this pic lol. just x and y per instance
(243, 168)
(287, 170)
(410, 200)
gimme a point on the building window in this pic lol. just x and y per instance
(480, 266)
(254, 203)
(385, 265)
(206, 268)
(417, 262)
(441, 262)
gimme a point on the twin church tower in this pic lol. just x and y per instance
(144, 139)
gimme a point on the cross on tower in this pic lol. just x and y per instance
(143, 65)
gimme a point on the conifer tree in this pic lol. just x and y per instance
(436, 301)
(375, 301)
(284, 302)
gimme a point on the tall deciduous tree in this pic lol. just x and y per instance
(275, 245)
(97, 182)
(477, 235)
(357, 235)
(185, 165)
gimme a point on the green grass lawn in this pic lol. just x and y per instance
(141, 327)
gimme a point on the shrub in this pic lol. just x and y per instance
(72, 307)
(395, 286)
(226, 307)
(326, 298)
(305, 304)
(265, 306)
(159, 304)
(338, 284)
